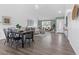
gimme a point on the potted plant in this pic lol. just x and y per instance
(18, 26)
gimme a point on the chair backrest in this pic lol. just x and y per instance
(33, 29)
(28, 34)
(6, 32)
(10, 34)
(28, 28)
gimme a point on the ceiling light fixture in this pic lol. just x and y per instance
(36, 6)
(59, 12)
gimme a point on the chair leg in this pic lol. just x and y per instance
(12, 43)
(16, 42)
(5, 42)
(33, 39)
(29, 43)
(25, 41)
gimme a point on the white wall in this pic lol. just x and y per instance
(73, 34)
(16, 12)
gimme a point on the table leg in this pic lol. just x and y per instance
(22, 41)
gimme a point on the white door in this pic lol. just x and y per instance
(59, 25)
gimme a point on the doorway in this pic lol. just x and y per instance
(59, 25)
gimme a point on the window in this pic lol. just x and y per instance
(46, 24)
(30, 22)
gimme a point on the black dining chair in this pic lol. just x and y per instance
(7, 32)
(12, 37)
(28, 35)
(16, 38)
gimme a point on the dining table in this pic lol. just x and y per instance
(22, 33)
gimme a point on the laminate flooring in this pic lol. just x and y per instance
(44, 44)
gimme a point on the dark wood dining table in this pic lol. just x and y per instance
(22, 33)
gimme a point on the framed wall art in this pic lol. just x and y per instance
(6, 19)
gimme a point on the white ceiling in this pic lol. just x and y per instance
(48, 11)
(42, 11)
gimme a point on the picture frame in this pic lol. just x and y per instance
(6, 19)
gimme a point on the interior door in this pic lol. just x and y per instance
(59, 26)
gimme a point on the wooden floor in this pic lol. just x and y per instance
(44, 44)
